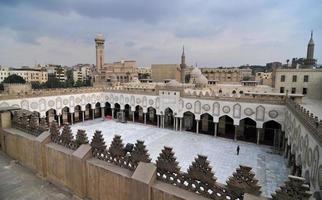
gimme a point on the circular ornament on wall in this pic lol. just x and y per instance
(138, 101)
(34, 105)
(206, 107)
(248, 111)
(51, 103)
(106, 98)
(78, 100)
(65, 101)
(88, 99)
(188, 106)
(116, 98)
(273, 114)
(226, 109)
(151, 102)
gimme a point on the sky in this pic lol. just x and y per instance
(214, 32)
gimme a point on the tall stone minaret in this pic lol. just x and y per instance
(183, 66)
(99, 41)
(310, 48)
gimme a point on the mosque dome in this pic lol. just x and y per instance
(196, 77)
(195, 72)
(173, 83)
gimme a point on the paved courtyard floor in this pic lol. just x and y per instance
(270, 169)
(18, 183)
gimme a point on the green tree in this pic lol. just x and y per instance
(14, 79)
(79, 83)
(53, 82)
(36, 85)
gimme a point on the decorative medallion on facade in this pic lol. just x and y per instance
(216, 109)
(197, 107)
(65, 102)
(188, 106)
(145, 101)
(138, 101)
(78, 100)
(248, 111)
(72, 101)
(127, 100)
(226, 109)
(132, 101)
(273, 114)
(58, 103)
(206, 107)
(42, 105)
(51, 103)
(88, 99)
(34, 105)
(116, 99)
(237, 110)
(260, 113)
(106, 98)
(151, 102)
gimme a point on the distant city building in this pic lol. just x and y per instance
(58, 71)
(273, 65)
(145, 74)
(28, 74)
(299, 81)
(82, 72)
(310, 62)
(224, 75)
(264, 78)
(162, 72)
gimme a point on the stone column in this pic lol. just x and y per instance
(216, 129)
(93, 113)
(102, 112)
(144, 114)
(258, 135)
(162, 121)
(158, 124)
(180, 124)
(235, 136)
(133, 119)
(174, 123)
(71, 118)
(112, 113)
(177, 123)
(197, 128)
(59, 120)
(83, 116)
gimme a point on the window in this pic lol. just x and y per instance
(306, 78)
(293, 91)
(294, 78)
(304, 90)
(283, 78)
(282, 90)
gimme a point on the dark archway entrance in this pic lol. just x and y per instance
(98, 112)
(168, 118)
(65, 117)
(78, 114)
(117, 108)
(138, 114)
(51, 116)
(107, 109)
(151, 116)
(207, 125)
(247, 130)
(272, 134)
(127, 113)
(88, 112)
(189, 122)
(226, 127)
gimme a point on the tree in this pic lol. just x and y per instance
(36, 85)
(53, 82)
(14, 79)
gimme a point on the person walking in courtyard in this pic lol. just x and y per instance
(237, 150)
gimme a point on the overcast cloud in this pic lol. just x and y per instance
(214, 32)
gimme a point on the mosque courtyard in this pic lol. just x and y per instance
(270, 168)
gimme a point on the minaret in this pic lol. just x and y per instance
(310, 48)
(183, 66)
(99, 41)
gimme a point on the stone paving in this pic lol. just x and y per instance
(270, 169)
(19, 183)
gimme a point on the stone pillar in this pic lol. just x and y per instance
(174, 123)
(180, 124)
(258, 135)
(177, 123)
(144, 114)
(71, 118)
(216, 129)
(93, 113)
(197, 128)
(133, 119)
(112, 113)
(83, 115)
(236, 129)
(162, 121)
(102, 112)
(59, 120)
(158, 123)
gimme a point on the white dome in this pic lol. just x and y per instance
(100, 36)
(195, 72)
(173, 83)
